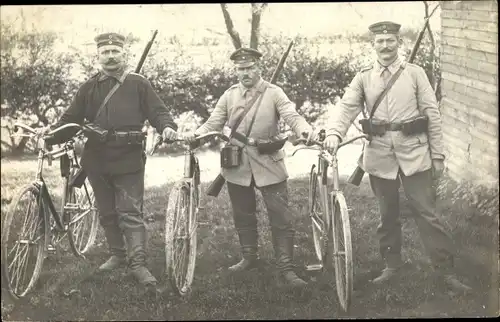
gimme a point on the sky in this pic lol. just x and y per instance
(79, 23)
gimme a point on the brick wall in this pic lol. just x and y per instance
(469, 107)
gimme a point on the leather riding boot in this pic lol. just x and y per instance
(136, 241)
(248, 244)
(452, 282)
(387, 274)
(283, 250)
(113, 263)
(116, 244)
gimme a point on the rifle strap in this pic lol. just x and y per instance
(387, 88)
(111, 92)
(249, 105)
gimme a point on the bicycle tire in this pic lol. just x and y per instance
(314, 204)
(179, 232)
(37, 234)
(83, 224)
(342, 249)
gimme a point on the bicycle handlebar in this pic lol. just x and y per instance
(320, 143)
(28, 128)
(198, 139)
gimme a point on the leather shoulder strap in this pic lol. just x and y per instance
(387, 88)
(248, 107)
(256, 111)
(111, 92)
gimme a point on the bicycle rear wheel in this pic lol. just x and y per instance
(180, 238)
(316, 215)
(83, 218)
(25, 235)
(342, 249)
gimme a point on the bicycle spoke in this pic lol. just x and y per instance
(19, 267)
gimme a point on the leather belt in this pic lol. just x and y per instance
(243, 139)
(393, 126)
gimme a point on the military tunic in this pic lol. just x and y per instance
(128, 108)
(265, 169)
(410, 96)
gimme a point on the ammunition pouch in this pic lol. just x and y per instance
(372, 127)
(230, 156)
(271, 145)
(95, 133)
(415, 126)
(120, 138)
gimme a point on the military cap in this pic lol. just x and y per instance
(385, 27)
(109, 38)
(245, 57)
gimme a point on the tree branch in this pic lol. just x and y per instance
(235, 37)
(257, 10)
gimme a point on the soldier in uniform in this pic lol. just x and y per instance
(393, 157)
(266, 172)
(115, 166)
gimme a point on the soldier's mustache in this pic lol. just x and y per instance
(386, 51)
(111, 61)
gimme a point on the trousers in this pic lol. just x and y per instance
(244, 206)
(119, 200)
(421, 193)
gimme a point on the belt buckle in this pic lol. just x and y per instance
(251, 141)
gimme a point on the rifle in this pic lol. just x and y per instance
(145, 52)
(358, 173)
(79, 177)
(216, 186)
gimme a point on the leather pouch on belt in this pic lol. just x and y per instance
(126, 138)
(372, 127)
(272, 145)
(415, 126)
(230, 156)
(95, 133)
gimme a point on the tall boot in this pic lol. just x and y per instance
(136, 241)
(283, 250)
(116, 244)
(249, 247)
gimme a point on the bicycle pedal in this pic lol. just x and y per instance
(51, 249)
(314, 267)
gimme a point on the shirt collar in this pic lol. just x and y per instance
(252, 89)
(392, 67)
(103, 75)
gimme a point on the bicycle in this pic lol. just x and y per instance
(39, 226)
(181, 220)
(329, 217)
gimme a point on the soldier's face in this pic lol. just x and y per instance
(386, 46)
(111, 57)
(248, 76)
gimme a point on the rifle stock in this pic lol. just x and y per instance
(358, 173)
(216, 186)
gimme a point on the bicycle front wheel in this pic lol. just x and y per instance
(83, 221)
(342, 249)
(316, 215)
(25, 235)
(181, 238)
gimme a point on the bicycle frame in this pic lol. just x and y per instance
(191, 174)
(44, 153)
(327, 195)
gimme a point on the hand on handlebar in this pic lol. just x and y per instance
(190, 137)
(169, 134)
(332, 143)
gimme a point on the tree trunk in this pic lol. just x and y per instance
(257, 10)
(235, 37)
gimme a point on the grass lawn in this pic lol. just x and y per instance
(218, 295)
